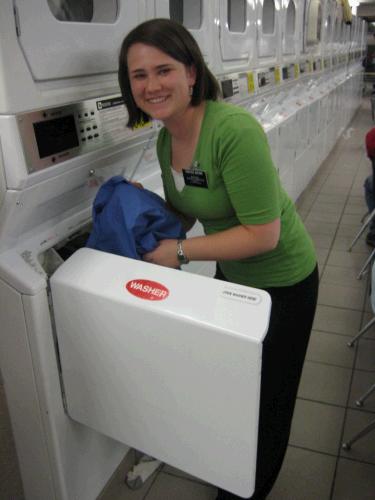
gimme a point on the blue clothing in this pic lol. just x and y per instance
(129, 221)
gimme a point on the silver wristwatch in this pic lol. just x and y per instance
(182, 259)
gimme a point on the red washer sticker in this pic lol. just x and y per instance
(147, 289)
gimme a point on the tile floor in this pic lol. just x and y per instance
(316, 467)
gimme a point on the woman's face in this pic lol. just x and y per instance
(160, 84)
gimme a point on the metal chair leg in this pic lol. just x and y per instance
(363, 398)
(366, 265)
(361, 231)
(348, 444)
(361, 332)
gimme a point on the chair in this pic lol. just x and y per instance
(372, 299)
(367, 220)
(348, 444)
(368, 428)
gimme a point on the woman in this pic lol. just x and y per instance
(217, 168)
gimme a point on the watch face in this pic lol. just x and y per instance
(180, 254)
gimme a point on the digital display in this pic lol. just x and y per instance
(227, 88)
(54, 136)
(262, 80)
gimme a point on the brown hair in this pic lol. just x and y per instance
(175, 40)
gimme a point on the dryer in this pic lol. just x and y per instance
(200, 18)
(312, 28)
(292, 19)
(50, 52)
(237, 35)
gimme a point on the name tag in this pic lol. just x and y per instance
(195, 177)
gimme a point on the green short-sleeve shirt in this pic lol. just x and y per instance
(243, 188)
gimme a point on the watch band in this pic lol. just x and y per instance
(181, 257)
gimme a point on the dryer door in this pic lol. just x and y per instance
(290, 38)
(72, 38)
(194, 15)
(237, 33)
(313, 25)
(268, 28)
(164, 361)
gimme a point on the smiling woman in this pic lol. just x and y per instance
(160, 85)
(165, 36)
(217, 168)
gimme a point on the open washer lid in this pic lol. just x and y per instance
(164, 361)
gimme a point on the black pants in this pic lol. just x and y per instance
(284, 350)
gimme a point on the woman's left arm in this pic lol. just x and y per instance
(245, 165)
(235, 243)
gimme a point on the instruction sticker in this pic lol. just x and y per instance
(147, 289)
(234, 293)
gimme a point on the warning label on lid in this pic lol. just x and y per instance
(240, 294)
(147, 289)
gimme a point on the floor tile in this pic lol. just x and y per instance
(342, 243)
(366, 355)
(317, 426)
(342, 276)
(337, 320)
(321, 227)
(328, 208)
(349, 230)
(351, 219)
(322, 256)
(331, 349)
(338, 190)
(322, 240)
(168, 487)
(350, 260)
(341, 296)
(354, 480)
(358, 209)
(303, 213)
(331, 198)
(304, 475)
(325, 383)
(322, 216)
(306, 201)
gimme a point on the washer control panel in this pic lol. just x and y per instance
(50, 136)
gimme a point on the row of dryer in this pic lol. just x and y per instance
(51, 55)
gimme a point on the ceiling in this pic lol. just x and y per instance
(366, 10)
